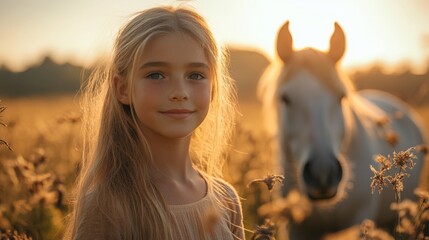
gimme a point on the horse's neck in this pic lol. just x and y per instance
(360, 133)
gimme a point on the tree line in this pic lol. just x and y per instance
(50, 78)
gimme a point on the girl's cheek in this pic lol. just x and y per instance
(206, 94)
(150, 88)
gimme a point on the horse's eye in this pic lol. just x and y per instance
(285, 99)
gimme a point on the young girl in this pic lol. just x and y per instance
(153, 152)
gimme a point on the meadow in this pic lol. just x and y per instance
(37, 176)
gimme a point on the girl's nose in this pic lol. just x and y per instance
(178, 91)
(178, 97)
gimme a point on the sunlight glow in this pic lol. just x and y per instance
(309, 26)
(376, 31)
(308, 33)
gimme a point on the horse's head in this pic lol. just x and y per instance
(310, 96)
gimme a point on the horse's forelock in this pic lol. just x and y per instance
(321, 66)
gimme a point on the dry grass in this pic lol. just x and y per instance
(37, 175)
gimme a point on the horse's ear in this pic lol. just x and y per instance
(284, 43)
(337, 44)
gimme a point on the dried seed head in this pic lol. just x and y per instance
(265, 231)
(270, 180)
(385, 163)
(398, 182)
(404, 159)
(378, 180)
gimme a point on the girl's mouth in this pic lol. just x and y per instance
(177, 113)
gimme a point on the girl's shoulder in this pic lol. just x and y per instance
(225, 189)
(232, 204)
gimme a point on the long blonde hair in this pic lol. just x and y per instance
(114, 196)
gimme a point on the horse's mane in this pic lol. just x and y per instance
(328, 73)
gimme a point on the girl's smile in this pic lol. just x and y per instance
(177, 114)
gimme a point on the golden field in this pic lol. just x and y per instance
(45, 132)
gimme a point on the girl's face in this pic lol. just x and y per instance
(172, 86)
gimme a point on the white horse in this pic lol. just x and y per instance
(328, 135)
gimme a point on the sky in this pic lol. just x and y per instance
(393, 32)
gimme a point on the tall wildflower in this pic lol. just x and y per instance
(401, 162)
(267, 230)
(412, 217)
(292, 208)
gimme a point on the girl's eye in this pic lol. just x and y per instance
(196, 76)
(155, 75)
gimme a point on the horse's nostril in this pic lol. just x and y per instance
(322, 178)
(339, 171)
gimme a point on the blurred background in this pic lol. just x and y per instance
(392, 32)
(48, 47)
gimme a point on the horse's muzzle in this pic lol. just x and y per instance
(322, 177)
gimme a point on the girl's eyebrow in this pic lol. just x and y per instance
(165, 64)
(153, 64)
(199, 65)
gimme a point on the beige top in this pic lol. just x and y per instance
(205, 219)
